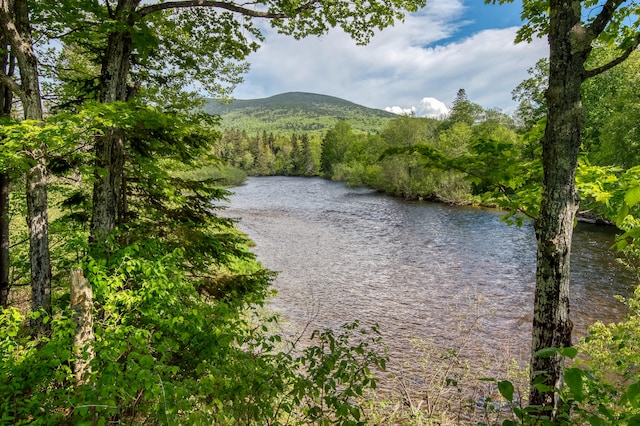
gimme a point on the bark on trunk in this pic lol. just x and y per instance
(554, 228)
(16, 28)
(106, 189)
(108, 193)
(38, 221)
(4, 240)
(6, 99)
(83, 338)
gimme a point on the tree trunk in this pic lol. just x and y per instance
(554, 227)
(17, 30)
(38, 221)
(105, 188)
(4, 240)
(81, 296)
(6, 99)
(108, 192)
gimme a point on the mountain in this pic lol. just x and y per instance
(297, 112)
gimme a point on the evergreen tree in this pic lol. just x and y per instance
(463, 110)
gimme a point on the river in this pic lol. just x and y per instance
(420, 270)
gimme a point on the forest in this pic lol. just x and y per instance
(126, 298)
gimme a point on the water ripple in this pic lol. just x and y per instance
(420, 270)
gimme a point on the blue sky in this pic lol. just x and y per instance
(448, 45)
(483, 16)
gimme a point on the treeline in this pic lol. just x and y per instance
(358, 158)
(268, 154)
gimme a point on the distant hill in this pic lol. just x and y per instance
(297, 112)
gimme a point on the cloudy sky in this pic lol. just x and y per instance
(448, 45)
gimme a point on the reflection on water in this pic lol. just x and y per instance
(420, 270)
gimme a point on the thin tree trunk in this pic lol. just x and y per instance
(554, 228)
(38, 221)
(108, 192)
(4, 240)
(6, 100)
(16, 28)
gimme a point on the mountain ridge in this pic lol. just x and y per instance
(294, 112)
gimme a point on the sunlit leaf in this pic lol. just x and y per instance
(632, 197)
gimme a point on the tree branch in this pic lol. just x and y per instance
(591, 73)
(17, 42)
(11, 83)
(604, 17)
(211, 3)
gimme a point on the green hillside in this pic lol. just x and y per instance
(297, 112)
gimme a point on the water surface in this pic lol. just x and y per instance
(420, 270)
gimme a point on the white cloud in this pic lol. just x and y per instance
(402, 63)
(431, 107)
(401, 111)
(427, 107)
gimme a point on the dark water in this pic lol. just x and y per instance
(420, 270)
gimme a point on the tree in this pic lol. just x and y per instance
(408, 131)
(530, 95)
(16, 29)
(335, 145)
(612, 104)
(308, 160)
(7, 65)
(571, 40)
(463, 110)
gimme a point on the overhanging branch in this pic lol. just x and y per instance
(232, 7)
(591, 73)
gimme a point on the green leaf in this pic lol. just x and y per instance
(573, 378)
(632, 197)
(633, 394)
(506, 389)
(546, 352)
(622, 213)
(568, 352)
(596, 421)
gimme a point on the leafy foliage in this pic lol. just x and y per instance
(181, 336)
(167, 353)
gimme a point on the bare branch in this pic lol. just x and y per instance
(209, 3)
(591, 73)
